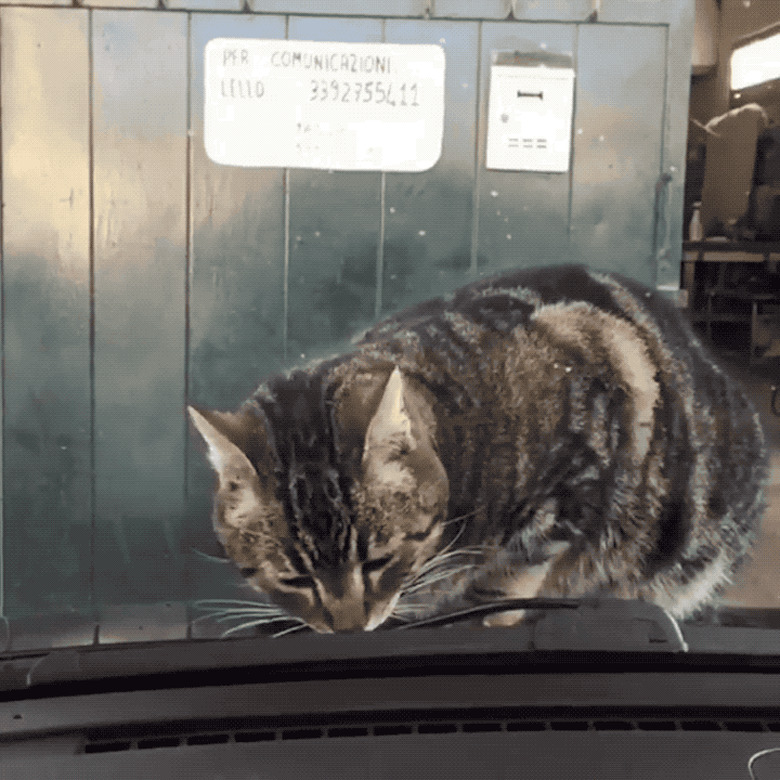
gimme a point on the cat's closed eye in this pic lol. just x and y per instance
(303, 581)
(377, 564)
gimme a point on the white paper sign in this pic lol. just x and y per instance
(529, 118)
(332, 106)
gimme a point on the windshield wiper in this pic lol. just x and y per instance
(491, 608)
(582, 624)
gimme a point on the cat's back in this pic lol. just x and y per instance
(502, 303)
(571, 297)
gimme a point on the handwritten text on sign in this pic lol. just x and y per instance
(333, 106)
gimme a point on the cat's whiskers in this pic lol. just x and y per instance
(247, 586)
(433, 577)
(222, 618)
(289, 630)
(448, 548)
(440, 559)
(261, 610)
(395, 616)
(409, 605)
(406, 614)
(237, 605)
(220, 603)
(261, 622)
(460, 530)
(440, 566)
(258, 612)
(459, 518)
(212, 558)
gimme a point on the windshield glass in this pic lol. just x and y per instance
(195, 203)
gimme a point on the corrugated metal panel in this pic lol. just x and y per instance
(43, 2)
(555, 10)
(237, 277)
(469, 9)
(122, 3)
(428, 216)
(341, 7)
(237, 249)
(618, 133)
(45, 181)
(140, 127)
(334, 230)
(642, 11)
(679, 20)
(206, 5)
(621, 11)
(523, 215)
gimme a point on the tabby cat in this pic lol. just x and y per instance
(550, 432)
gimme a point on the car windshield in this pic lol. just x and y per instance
(198, 200)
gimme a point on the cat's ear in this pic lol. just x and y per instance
(391, 426)
(218, 430)
(399, 452)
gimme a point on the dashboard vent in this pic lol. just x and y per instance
(426, 727)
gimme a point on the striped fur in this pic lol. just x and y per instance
(549, 432)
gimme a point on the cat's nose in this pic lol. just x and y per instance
(348, 619)
(344, 603)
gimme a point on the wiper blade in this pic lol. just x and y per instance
(583, 624)
(492, 608)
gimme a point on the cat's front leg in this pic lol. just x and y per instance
(520, 578)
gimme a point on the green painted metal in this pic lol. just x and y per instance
(341, 7)
(45, 191)
(42, 3)
(207, 5)
(122, 3)
(558, 11)
(334, 231)
(669, 226)
(618, 136)
(209, 278)
(237, 283)
(140, 162)
(468, 9)
(428, 216)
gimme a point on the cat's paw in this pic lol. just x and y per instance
(504, 619)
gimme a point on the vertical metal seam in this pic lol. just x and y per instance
(2, 344)
(575, 54)
(657, 257)
(380, 247)
(475, 199)
(286, 231)
(286, 269)
(91, 261)
(188, 270)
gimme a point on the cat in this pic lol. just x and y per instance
(549, 432)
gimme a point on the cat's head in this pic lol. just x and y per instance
(330, 506)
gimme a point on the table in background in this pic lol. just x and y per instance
(753, 303)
